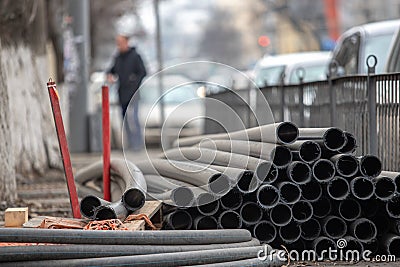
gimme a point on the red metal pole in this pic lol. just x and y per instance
(62, 141)
(106, 142)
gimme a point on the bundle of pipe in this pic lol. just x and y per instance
(142, 248)
(320, 192)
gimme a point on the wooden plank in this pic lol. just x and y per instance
(15, 217)
(150, 209)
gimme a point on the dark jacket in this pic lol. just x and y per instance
(130, 70)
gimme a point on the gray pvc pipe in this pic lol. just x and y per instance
(276, 133)
(395, 176)
(59, 252)
(161, 259)
(180, 237)
(332, 138)
(281, 156)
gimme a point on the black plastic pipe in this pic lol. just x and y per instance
(248, 183)
(323, 170)
(362, 188)
(370, 166)
(275, 133)
(232, 200)
(351, 144)
(281, 156)
(89, 204)
(207, 204)
(311, 191)
(307, 151)
(265, 231)
(393, 207)
(352, 244)
(115, 210)
(395, 176)
(251, 213)
(383, 224)
(299, 172)
(391, 243)
(370, 207)
(346, 165)
(205, 223)
(302, 211)
(338, 188)
(289, 192)
(178, 220)
(160, 259)
(363, 229)
(334, 227)
(180, 237)
(372, 246)
(267, 196)
(385, 188)
(229, 219)
(58, 252)
(322, 207)
(290, 233)
(332, 138)
(349, 209)
(322, 245)
(281, 214)
(310, 230)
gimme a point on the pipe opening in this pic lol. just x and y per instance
(334, 139)
(207, 205)
(335, 227)
(232, 200)
(263, 170)
(310, 151)
(353, 245)
(268, 196)
(347, 165)
(230, 220)
(364, 230)
(338, 188)
(272, 174)
(393, 207)
(282, 156)
(397, 182)
(394, 247)
(322, 207)
(323, 170)
(290, 192)
(323, 244)
(105, 213)
(287, 132)
(349, 209)
(302, 211)
(182, 196)
(351, 144)
(311, 191)
(133, 199)
(299, 172)
(206, 223)
(180, 220)
(310, 229)
(265, 232)
(362, 188)
(369, 207)
(281, 214)
(290, 233)
(385, 188)
(370, 166)
(251, 213)
(247, 183)
(219, 184)
(89, 205)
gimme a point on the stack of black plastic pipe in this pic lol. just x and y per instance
(313, 192)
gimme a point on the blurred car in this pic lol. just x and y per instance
(356, 44)
(270, 70)
(393, 62)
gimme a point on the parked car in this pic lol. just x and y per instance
(269, 70)
(356, 44)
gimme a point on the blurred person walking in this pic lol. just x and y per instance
(129, 68)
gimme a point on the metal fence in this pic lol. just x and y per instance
(366, 105)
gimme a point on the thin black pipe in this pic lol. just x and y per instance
(265, 231)
(334, 227)
(351, 144)
(229, 219)
(363, 229)
(362, 188)
(370, 166)
(310, 229)
(180, 237)
(290, 233)
(205, 223)
(323, 170)
(370, 207)
(59, 252)
(338, 188)
(349, 209)
(178, 220)
(267, 196)
(346, 165)
(385, 187)
(311, 191)
(307, 151)
(299, 172)
(207, 204)
(251, 213)
(302, 211)
(281, 214)
(332, 138)
(115, 210)
(289, 192)
(395, 176)
(89, 204)
(248, 183)
(322, 207)
(232, 200)
(393, 207)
